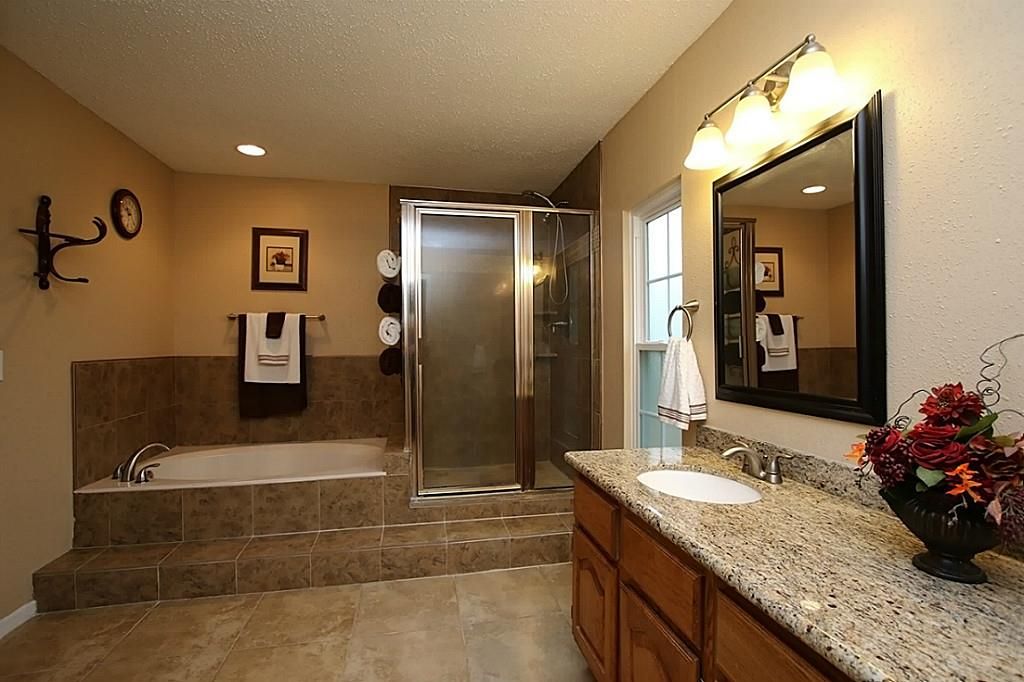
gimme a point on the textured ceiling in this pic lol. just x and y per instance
(481, 94)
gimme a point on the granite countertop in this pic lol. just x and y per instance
(835, 573)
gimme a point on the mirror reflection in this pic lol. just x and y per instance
(788, 275)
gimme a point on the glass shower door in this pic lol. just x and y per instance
(467, 316)
(562, 348)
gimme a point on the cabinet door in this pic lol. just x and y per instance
(747, 652)
(594, 607)
(648, 651)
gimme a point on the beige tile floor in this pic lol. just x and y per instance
(510, 625)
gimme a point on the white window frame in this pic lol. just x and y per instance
(634, 295)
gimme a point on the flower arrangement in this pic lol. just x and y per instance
(952, 460)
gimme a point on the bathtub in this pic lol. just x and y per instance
(234, 465)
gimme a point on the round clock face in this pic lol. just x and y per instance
(126, 212)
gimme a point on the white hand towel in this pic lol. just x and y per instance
(682, 398)
(779, 349)
(388, 264)
(389, 331)
(274, 371)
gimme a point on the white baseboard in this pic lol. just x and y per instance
(20, 615)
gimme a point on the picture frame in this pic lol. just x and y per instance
(280, 258)
(770, 257)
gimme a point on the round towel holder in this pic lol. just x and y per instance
(687, 309)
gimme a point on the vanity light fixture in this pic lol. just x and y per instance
(251, 150)
(814, 189)
(803, 80)
(753, 122)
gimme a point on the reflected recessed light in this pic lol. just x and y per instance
(814, 189)
(251, 149)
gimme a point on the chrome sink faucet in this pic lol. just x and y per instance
(126, 472)
(763, 467)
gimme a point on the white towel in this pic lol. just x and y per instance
(389, 331)
(681, 399)
(272, 361)
(388, 264)
(779, 349)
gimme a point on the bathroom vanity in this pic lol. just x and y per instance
(801, 585)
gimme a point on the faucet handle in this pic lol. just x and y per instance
(145, 474)
(772, 469)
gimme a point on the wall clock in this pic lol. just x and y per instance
(126, 213)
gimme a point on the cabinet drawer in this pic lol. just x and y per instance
(648, 651)
(595, 607)
(747, 652)
(676, 589)
(598, 516)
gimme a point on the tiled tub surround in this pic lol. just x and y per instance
(98, 576)
(835, 573)
(120, 405)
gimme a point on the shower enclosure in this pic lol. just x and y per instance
(499, 344)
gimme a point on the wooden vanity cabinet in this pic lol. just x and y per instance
(645, 611)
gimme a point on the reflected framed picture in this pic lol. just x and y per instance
(279, 258)
(768, 259)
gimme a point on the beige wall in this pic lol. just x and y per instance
(950, 161)
(53, 145)
(842, 272)
(214, 216)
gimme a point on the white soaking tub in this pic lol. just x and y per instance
(230, 465)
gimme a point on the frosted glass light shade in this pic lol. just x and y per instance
(813, 84)
(708, 149)
(753, 122)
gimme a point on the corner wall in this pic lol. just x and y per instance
(79, 161)
(952, 146)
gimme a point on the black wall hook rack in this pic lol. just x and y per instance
(47, 251)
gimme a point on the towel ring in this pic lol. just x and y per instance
(687, 309)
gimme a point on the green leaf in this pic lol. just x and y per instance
(920, 487)
(930, 477)
(980, 426)
(1004, 441)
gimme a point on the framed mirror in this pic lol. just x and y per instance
(800, 275)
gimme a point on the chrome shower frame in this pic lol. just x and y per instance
(411, 279)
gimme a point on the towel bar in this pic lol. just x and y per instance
(321, 316)
(687, 309)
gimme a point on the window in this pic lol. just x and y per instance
(656, 284)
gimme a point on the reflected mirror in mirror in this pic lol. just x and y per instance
(790, 296)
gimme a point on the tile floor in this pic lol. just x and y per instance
(509, 625)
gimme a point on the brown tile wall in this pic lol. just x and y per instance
(120, 405)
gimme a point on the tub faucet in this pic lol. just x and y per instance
(763, 467)
(125, 471)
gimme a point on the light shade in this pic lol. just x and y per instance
(813, 84)
(251, 149)
(753, 122)
(708, 148)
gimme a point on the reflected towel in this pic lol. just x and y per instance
(780, 349)
(682, 398)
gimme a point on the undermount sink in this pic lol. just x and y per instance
(699, 487)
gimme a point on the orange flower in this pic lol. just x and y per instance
(967, 482)
(856, 452)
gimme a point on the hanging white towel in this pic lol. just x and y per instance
(682, 398)
(779, 349)
(282, 365)
(389, 331)
(388, 264)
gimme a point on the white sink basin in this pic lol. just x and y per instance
(699, 487)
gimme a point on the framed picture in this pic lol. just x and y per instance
(770, 258)
(279, 259)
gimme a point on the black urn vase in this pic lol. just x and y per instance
(951, 540)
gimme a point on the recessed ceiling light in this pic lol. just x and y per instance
(813, 189)
(251, 149)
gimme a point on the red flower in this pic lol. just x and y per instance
(950, 404)
(887, 451)
(938, 454)
(932, 432)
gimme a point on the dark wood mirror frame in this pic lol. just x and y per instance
(870, 405)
